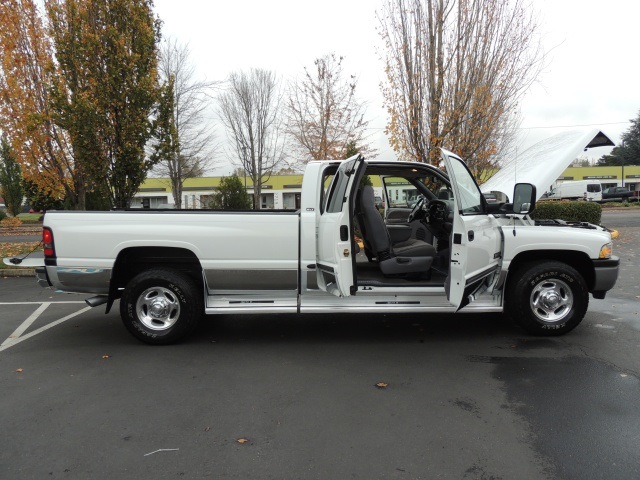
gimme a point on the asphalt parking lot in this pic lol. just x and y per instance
(466, 397)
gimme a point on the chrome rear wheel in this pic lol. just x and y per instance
(158, 308)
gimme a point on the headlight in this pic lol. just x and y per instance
(605, 251)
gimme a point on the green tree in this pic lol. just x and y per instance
(41, 198)
(351, 150)
(107, 88)
(166, 147)
(628, 152)
(10, 179)
(231, 195)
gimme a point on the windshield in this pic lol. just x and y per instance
(405, 192)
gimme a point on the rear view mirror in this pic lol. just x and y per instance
(524, 198)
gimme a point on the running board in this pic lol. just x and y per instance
(244, 304)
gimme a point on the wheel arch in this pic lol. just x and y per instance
(133, 260)
(580, 261)
(547, 296)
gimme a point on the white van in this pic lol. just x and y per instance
(590, 190)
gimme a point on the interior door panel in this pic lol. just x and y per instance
(397, 216)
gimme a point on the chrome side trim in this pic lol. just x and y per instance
(248, 310)
(80, 279)
(378, 300)
(376, 309)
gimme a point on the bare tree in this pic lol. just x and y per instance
(323, 113)
(455, 72)
(192, 149)
(249, 110)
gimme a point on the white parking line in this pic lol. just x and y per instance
(35, 303)
(26, 324)
(10, 342)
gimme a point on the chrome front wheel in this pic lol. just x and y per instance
(551, 300)
(546, 297)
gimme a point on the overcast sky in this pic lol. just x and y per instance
(592, 77)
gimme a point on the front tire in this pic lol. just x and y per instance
(547, 299)
(160, 307)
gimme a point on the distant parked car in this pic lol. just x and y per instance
(621, 193)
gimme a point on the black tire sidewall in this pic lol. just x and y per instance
(183, 288)
(527, 278)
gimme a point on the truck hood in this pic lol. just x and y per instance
(542, 163)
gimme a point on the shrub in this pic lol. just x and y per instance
(231, 195)
(10, 222)
(568, 211)
(2, 215)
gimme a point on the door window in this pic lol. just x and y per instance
(336, 192)
(469, 197)
(338, 188)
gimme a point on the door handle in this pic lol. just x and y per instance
(344, 233)
(471, 235)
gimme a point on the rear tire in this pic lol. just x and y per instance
(547, 299)
(160, 306)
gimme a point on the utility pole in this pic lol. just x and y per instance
(622, 156)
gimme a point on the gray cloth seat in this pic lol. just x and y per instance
(411, 256)
(414, 248)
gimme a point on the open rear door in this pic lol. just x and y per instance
(476, 242)
(335, 257)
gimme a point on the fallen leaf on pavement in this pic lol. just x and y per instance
(382, 385)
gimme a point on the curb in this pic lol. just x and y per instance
(18, 272)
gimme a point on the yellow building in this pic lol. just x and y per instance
(627, 176)
(280, 191)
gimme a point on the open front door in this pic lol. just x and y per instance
(335, 256)
(476, 242)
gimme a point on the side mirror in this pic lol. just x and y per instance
(524, 198)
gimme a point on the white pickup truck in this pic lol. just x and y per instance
(452, 252)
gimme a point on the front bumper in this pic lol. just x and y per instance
(606, 274)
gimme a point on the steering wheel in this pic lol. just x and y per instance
(416, 208)
(437, 212)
